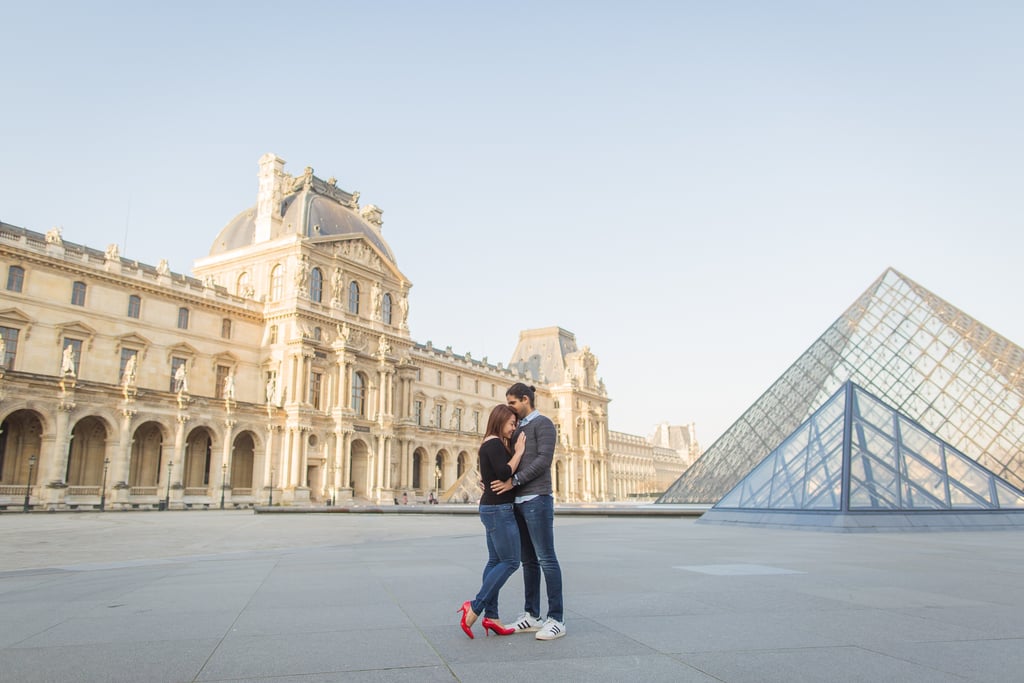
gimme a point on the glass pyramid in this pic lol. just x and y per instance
(932, 362)
(856, 454)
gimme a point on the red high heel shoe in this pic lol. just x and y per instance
(491, 625)
(467, 609)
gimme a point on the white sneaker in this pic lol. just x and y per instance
(550, 630)
(526, 622)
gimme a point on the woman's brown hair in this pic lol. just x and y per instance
(499, 416)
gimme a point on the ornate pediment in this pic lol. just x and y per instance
(76, 330)
(181, 350)
(12, 317)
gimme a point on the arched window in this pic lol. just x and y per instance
(276, 283)
(244, 285)
(359, 394)
(182, 318)
(316, 285)
(386, 309)
(353, 297)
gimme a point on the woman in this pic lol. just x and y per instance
(497, 461)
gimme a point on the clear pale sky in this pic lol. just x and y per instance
(697, 190)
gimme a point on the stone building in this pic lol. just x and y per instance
(283, 371)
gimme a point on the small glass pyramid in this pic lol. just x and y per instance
(857, 454)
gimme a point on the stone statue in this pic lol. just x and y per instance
(67, 362)
(338, 285)
(383, 347)
(181, 379)
(113, 253)
(53, 236)
(229, 386)
(163, 268)
(378, 300)
(302, 274)
(403, 307)
(3, 352)
(343, 332)
(128, 378)
(271, 388)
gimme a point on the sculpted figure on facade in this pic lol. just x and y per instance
(229, 387)
(3, 352)
(163, 268)
(403, 307)
(383, 347)
(302, 275)
(271, 388)
(113, 253)
(128, 377)
(181, 379)
(53, 236)
(67, 361)
(338, 285)
(378, 300)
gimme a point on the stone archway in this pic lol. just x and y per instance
(146, 462)
(360, 458)
(198, 455)
(243, 457)
(419, 474)
(21, 437)
(87, 452)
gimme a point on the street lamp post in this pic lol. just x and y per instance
(223, 483)
(271, 503)
(103, 487)
(167, 501)
(28, 484)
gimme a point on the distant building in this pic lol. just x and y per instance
(283, 369)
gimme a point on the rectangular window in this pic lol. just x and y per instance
(272, 336)
(126, 356)
(134, 306)
(440, 378)
(476, 386)
(76, 353)
(439, 416)
(476, 421)
(9, 338)
(417, 411)
(183, 318)
(175, 364)
(225, 328)
(15, 278)
(316, 380)
(458, 382)
(78, 294)
(222, 375)
(492, 391)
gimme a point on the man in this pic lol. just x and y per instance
(535, 514)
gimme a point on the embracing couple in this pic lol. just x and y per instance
(518, 513)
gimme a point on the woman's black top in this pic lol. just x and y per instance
(494, 466)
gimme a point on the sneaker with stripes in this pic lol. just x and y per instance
(526, 622)
(550, 630)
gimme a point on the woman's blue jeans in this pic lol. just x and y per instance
(503, 552)
(536, 519)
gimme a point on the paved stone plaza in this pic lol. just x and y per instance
(238, 596)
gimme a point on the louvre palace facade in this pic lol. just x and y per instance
(282, 371)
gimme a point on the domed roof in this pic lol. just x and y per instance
(311, 213)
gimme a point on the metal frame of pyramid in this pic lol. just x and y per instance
(929, 360)
(858, 463)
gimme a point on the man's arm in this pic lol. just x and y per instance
(544, 435)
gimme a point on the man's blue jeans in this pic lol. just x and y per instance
(536, 519)
(503, 550)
